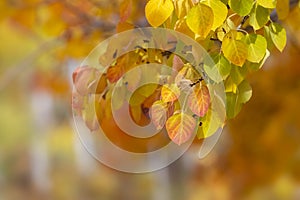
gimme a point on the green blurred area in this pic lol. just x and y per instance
(41, 157)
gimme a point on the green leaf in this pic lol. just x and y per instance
(234, 47)
(220, 12)
(210, 124)
(241, 7)
(158, 11)
(267, 35)
(220, 70)
(257, 47)
(233, 107)
(244, 91)
(256, 66)
(230, 86)
(234, 101)
(238, 74)
(267, 3)
(278, 36)
(259, 16)
(200, 20)
(180, 127)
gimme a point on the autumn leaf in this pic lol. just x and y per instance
(85, 80)
(170, 93)
(158, 114)
(180, 127)
(200, 20)
(234, 48)
(114, 73)
(199, 100)
(158, 11)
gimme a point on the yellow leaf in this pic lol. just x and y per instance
(182, 27)
(267, 3)
(200, 20)
(170, 93)
(180, 127)
(182, 7)
(234, 48)
(158, 11)
(220, 12)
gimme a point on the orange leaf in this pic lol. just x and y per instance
(180, 127)
(199, 100)
(158, 114)
(114, 73)
(170, 93)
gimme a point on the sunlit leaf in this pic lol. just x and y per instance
(241, 7)
(199, 100)
(257, 46)
(180, 127)
(170, 93)
(234, 48)
(200, 19)
(187, 72)
(182, 27)
(158, 11)
(257, 66)
(278, 36)
(259, 16)
(230, 86)
(182, 7)
(219, 11)
(267, 3)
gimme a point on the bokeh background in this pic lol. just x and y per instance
(41, 157)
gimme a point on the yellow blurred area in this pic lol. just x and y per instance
(41, 157)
